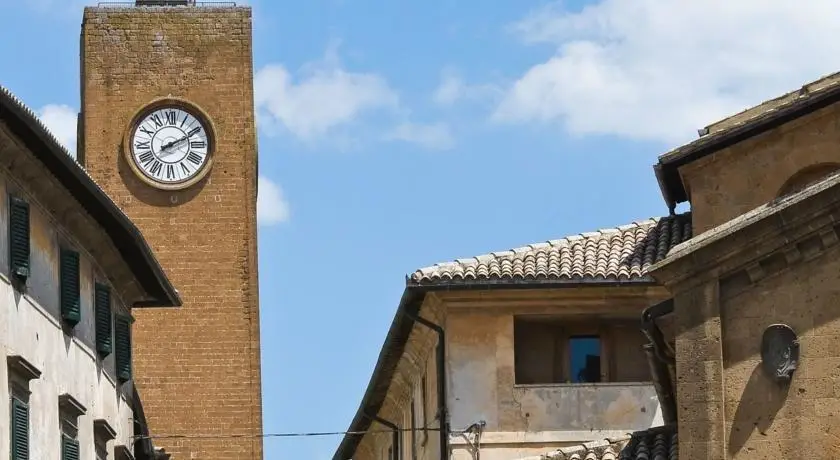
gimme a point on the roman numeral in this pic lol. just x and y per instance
(185, 168)
(198, 144)
(194, 158)
(193, 131)
(146, 157)
(142, 145)
(146, 130)
(170, 171)
(186, 115)
(171, 117)
(157, 166)
(157, 120)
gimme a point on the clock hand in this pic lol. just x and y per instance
(186, 136)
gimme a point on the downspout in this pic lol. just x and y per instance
(395, 436)
(441, 383)
(659, 359)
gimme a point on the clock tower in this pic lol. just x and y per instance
(167, 130)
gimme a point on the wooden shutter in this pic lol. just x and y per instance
(20, 430)
(19, 237)
(102, 310)
(122, 341)
(69, 448)
(70, 297)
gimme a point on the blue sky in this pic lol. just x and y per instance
(397, 134)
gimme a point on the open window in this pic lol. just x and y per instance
(557, 350)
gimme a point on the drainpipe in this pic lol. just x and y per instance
(395, 436)
(441, 383)
(659, 359)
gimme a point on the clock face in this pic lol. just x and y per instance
(170, 145)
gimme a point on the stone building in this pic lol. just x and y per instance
(731, 306)
(73, 270)
(167, 129)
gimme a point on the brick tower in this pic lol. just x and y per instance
(167, 129)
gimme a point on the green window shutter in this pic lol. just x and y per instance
(70, 297)
(19, 237)
(69, 448)
(20, 430)
(102, 307)
(122, 342)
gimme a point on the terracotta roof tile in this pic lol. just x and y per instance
(616, 254)
(659, 443)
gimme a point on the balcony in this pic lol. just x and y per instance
(589, 406)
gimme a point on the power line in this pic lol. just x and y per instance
(279, 435)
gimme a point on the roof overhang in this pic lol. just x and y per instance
(667, 169)
(126, 237)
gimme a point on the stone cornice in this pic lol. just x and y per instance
(759, 242)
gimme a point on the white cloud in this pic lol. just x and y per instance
(272, 207)
(452, 89)
(436, 136)
(322, 97)
(660, 69)
(61, 121)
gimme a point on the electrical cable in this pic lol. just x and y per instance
(291, 434)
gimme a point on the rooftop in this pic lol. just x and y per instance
(620, 254)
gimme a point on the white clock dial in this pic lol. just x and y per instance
(170, 145)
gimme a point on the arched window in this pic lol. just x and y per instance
(807, 176)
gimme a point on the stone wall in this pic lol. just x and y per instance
(746, 175)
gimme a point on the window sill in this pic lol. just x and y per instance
(581, 385)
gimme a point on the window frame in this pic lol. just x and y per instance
(19, 267)
(70, 286)
(563, 330)
(123, 353)
(104, 338)
(19, 397)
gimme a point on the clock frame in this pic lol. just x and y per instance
(141, 115)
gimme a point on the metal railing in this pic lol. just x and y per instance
(142, 3)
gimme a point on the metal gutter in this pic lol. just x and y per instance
(659, 360)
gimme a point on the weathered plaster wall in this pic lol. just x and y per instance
(31, 327)
(521, 420)
(742, 177)
(419, 358)
(480, 366)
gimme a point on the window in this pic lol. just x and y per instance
(122, 341)
(69, 448)
(585, 359)
(21, 372)
(18, 239)
(413, 430)
(20, 427)
(424, 408)
(549, 350)
(69, 410)
(102, 433)
(102, 312)
(69, 294)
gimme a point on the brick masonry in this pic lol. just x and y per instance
(197, 367)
